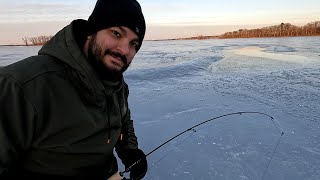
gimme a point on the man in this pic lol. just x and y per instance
(64, 111)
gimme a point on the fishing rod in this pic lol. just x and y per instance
(192, 129)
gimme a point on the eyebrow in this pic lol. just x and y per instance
(125, 32)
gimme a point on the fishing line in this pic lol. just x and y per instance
(186, 138)
(193, 129)
(182, 141)
(273, 154)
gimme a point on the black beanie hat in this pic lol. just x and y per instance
(109, 13)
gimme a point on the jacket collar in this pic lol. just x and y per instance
(64, 47)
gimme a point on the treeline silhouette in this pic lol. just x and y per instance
(35, 41)
(282, 30)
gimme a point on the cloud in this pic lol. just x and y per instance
(35, 12)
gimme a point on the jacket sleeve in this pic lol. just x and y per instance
(17, 115)
(129, 139)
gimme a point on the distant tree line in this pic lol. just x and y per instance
(35, 41)
(282, 30)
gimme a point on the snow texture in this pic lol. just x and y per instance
(175, 85)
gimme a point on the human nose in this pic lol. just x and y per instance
(123, 47)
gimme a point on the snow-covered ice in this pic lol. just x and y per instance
(177, 84)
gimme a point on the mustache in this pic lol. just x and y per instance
(116, 54)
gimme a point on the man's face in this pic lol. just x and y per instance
(113, 49)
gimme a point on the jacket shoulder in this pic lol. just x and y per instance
(31, 67)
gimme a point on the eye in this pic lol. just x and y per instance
(116, 33)
(134, 44)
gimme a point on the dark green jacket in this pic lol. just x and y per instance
(56, 115)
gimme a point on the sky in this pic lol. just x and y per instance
(164, 18)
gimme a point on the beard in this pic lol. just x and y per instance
(96, 56)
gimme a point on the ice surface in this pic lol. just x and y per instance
(177, 84)
(203, 79)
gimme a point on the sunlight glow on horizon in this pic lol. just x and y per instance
(163, 13)
(187, 12)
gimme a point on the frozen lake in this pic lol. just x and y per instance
(177, 84)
